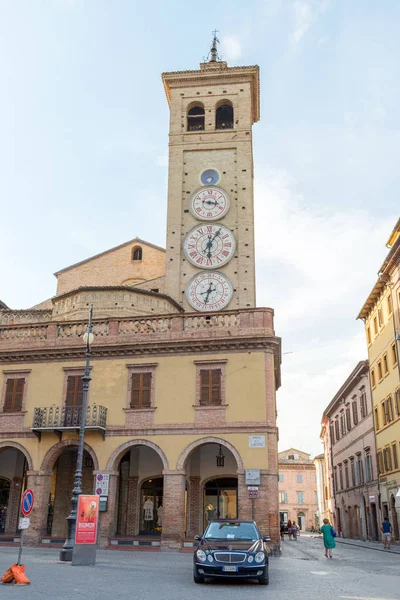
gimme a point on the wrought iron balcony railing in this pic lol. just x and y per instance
(67, 418)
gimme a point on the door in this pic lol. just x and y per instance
(151, 507)
(301, 521)
(220, 499)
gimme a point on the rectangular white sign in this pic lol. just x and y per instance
(102, 484)
(257, 441)
(253, 477)
(24, 523)
(372, 498)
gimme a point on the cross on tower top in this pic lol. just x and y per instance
(213, 55)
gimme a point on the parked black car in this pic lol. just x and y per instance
(231, 548)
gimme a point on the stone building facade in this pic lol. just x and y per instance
(297, 488)
(184, 366)
(348, 434)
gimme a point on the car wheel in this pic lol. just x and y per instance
(263, 580)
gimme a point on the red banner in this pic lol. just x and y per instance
(87, 520)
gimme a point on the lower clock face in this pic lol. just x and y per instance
(209, 246)
(209, 291)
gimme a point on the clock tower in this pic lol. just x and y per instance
(210, 261)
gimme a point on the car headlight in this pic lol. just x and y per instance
(260, 557)
(210, 558)
(201, 555)
(250, 559)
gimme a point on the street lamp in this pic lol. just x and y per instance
(220, 457)
(66, 551)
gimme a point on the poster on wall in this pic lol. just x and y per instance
(87, 520)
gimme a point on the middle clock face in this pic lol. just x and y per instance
(209, 246)
(209, 203)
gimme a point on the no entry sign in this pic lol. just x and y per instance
(27, 502)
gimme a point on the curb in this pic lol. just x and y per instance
(368, 547)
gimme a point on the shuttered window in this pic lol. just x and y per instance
(141, 390)
(14, 394)
(74, 390)
(210, 387)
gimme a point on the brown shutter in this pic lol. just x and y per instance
(19, 392)
(216, 387)
(8, 401)
(14, 394)
(69, 400)
(204, 387)
(135, 395)
(146, 390)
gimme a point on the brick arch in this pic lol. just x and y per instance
(182, 460)
(54, 452)
(113, 461)
(6, 444)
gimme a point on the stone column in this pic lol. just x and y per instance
(123, 498)
(194, 506)
(108, 520)
(39, 482)
(14, 501)
(173, 510)
(132, 509)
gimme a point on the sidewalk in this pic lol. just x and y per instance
(367, 544)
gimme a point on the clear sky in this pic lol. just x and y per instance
(83, 156)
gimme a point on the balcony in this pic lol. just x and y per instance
(57, 419)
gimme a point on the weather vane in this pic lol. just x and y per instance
(213, 55)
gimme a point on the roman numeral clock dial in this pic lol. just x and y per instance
(209, 291)
(209, 203)
(209, 246)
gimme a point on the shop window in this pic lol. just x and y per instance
(137, 253)
(195, 118)
(224, 116)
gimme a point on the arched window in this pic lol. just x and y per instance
(195, 118)
(137, 253)
(224, 117)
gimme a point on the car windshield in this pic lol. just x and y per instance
(233, 530)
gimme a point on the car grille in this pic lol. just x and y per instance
(230, 557)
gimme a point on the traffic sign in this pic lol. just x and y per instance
(27, 502)
(24, 523)
(253, 491)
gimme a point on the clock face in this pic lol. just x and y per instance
(209, 291)
(209, 203)
(209, 245)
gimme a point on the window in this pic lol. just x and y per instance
(14, 395)
(397, 401)
(376, 419)
(373, 382)
(368, 468)
(380, 372)
(283, 497)
(375, 326)
(380, 317)
(337, 429)
(387, 410)
(74, 394)
(380, 462)
(335, 480)
(299, 478)
(348, 418)
(363, 402)
(369, 335)
(395, 461)
(353, 472)
(291, 457)
(355, 412)
(281, 477)
(360, 471)
(387, 459)
(195, 118)
(224, 116)
(341, 476)
(346, 473)
(343, 423)
(385, 364)
(389, 304)
(141, 390)
(300, 497)
(137, 253)
(316, 498)
(393, 353)
(210, 387)
(332, 433)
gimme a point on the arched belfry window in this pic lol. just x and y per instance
(224, 116)
(137, 253)
(195, 118)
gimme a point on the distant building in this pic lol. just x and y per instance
(381, 316)
(322, 488)
(352, 491)
(297, 488)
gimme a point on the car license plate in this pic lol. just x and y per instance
(230, 569)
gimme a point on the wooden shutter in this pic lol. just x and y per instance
(210, 387)
(215, 387)
(14, 394)
(74, 391)
(204, 387)
(141, 390)
(355, 412)
(146, 389)
(135, 395)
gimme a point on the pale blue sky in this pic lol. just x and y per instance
(83, 151)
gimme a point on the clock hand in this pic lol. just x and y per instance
(210, 289)
(216, 235)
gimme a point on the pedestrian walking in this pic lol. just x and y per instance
(386, 528)
(289, 528)
(282, 531)
(294, 531)
(329, 535)
(298, 530)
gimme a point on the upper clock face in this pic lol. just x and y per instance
(209, 246)
(209, 204)
(209, 291)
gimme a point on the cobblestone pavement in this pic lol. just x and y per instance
(302, 573)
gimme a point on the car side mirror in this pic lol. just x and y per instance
(197, 538)
(266, 538)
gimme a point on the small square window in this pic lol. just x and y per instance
(299, 478)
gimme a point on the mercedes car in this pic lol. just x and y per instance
(231, 548)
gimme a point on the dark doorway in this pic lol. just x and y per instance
(151, 507)
(374, 519)
(395, 521)
(4, 496)
(220, 499)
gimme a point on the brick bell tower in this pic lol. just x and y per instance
(210, 261)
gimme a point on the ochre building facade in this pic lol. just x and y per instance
(185, 367)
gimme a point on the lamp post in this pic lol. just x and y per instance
(66, 551)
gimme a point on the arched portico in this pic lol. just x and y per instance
(15, 461)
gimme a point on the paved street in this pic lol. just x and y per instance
(302, 573)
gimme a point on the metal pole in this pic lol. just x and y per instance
(20, 547)
(66, 551)
(252, 509)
